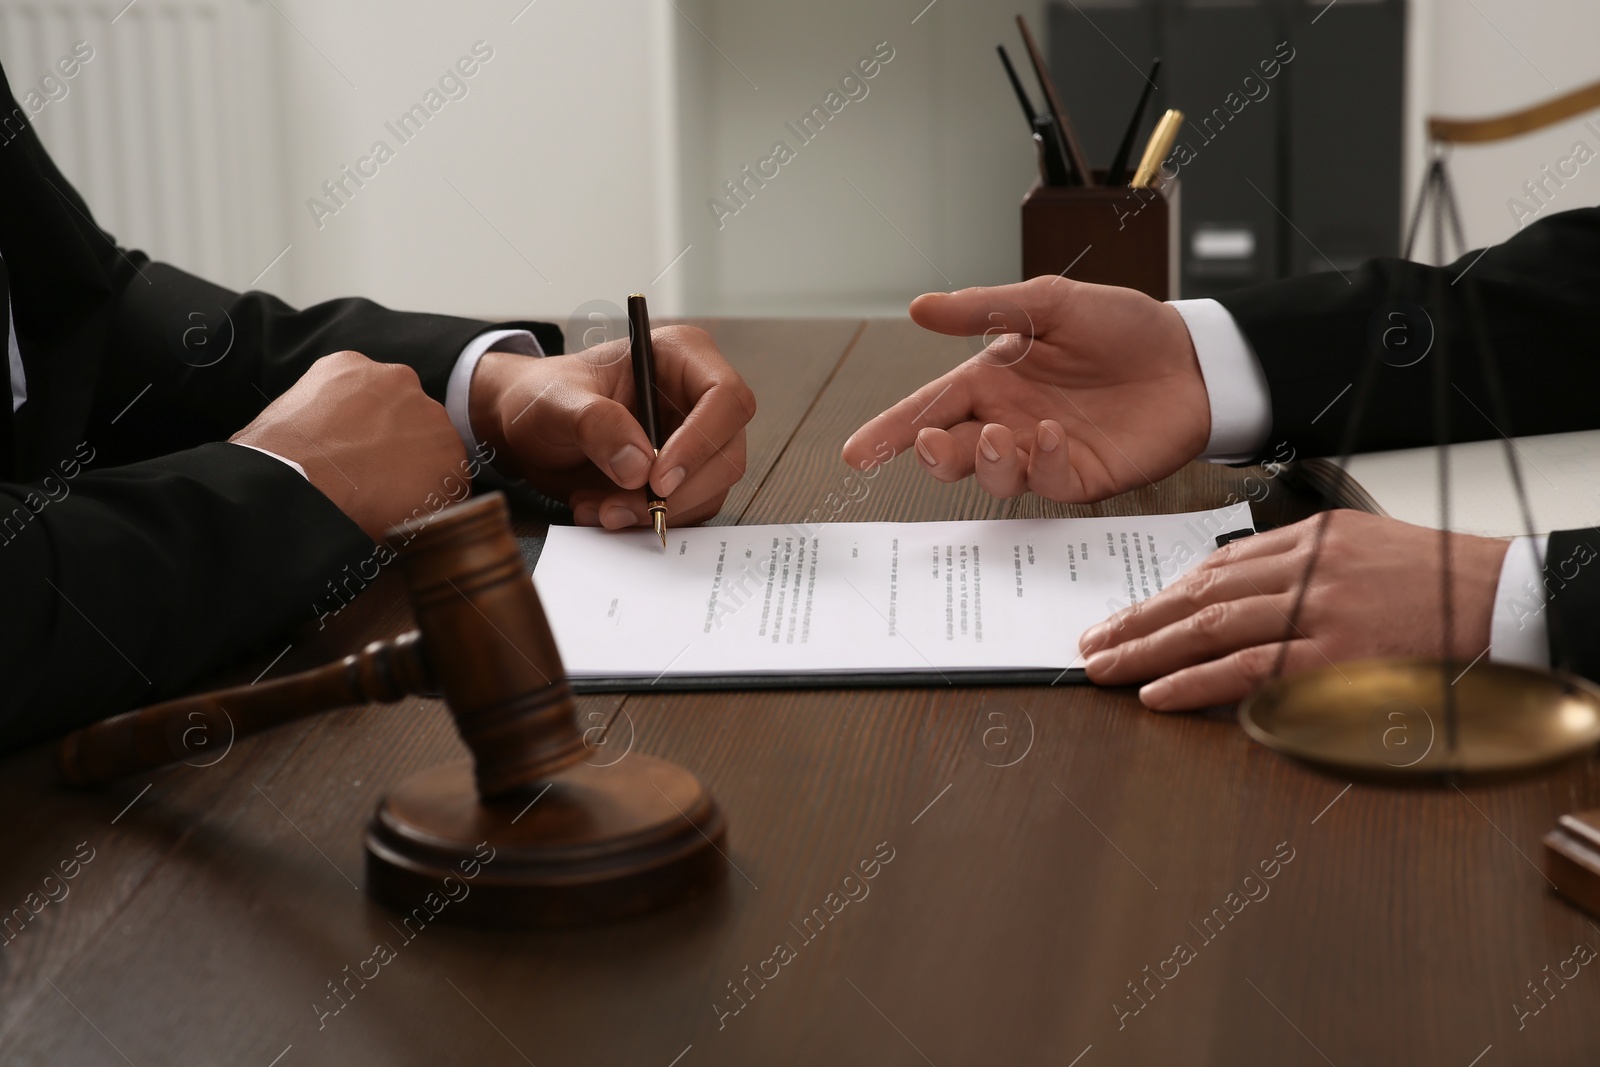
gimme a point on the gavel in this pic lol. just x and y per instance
(569, 842)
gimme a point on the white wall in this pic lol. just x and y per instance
(547, 185)
(164, 118)
(938, 148)
(914, 187)
(597, 133)
(1479, 58)
(592, 140)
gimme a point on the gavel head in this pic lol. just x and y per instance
(488, 645)
(589, 842)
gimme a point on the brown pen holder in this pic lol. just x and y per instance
(1103, 234)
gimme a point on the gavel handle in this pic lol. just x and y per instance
(201, 729)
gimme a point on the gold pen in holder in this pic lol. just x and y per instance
(1156, 149)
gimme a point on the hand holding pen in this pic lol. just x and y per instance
(566, 425)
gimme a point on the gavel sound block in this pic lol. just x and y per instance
(572, 843)
(1572, 859)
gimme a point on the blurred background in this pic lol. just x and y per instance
(579, 158)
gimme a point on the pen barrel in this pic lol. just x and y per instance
(1053, 168)
(1155, 152)
(642, 353)
(1117, 173)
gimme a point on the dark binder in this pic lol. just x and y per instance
(1344, 135)
(1231, 230)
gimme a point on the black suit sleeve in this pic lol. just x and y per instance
(208, 359)
(124, 586)
(1540, 298)
(1572, 586)
(145, 359)
(1539, 294)
(137, 551)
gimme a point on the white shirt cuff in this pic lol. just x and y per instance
(281, 459)
(1519, 631)
(459, 388)
(1236, 386)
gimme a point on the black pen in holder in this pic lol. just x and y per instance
(1046, 139)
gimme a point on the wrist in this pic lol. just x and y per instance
(492, 381)
(1188, 368)
(1238, 398)
(290, 449)
(1476, 563)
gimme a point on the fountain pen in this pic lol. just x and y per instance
(644, 389)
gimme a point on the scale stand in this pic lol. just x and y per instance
(1431, 720)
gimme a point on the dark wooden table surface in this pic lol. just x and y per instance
(1052, 850)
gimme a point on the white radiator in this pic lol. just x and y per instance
(170, 128)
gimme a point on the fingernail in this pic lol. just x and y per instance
(618, 517)
(924, 455)
(630, 463)
(1094, 638)
(671, 480)
(1155, 694)
(1048, 441)
(988, 450)
(1101, 662)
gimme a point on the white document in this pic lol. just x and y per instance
(857, 598)
(1560, 473)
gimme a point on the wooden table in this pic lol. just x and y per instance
(1051, 850)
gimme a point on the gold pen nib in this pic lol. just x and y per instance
(658, 520)
(658, 507)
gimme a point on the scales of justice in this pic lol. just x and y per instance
(1439, 721)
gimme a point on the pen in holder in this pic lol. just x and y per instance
(1052, 159)
(1104, 234)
